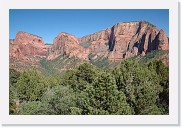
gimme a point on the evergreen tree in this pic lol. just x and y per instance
(104, 98)
(31, 85)
(80, 78)
(86, 72)
(61, 100)
(140, 85)
(162, 72)
(13, 76)
(34, 108)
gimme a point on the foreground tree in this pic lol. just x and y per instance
(78, 79)
(61, 100)
(102, 97)
(86, 72)
(34, 108)
(162, 72)
(140, 85)
(13, 77)
(31, 85)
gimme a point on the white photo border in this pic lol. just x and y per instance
(171, 119)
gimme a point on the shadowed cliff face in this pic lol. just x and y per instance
(123, 40)
(111, 40)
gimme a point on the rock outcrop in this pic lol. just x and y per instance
(67, 45)
(123, 40)
(26, 45)
(127, 39)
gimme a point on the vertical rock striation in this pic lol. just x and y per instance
(123, 40)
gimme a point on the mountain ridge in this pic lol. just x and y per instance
(118, 41)
(122, 40)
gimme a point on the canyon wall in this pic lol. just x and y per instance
(123, 40)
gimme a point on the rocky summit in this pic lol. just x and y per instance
(25, 45)
(123, 40)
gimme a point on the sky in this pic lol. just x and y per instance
(48, 23)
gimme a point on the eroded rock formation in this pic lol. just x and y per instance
(67, 45)
(123, 40)
(127, 39)
(26, 45)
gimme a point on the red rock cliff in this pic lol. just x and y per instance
(127, 39)
(25, 45)
(123, 40)
(67, 45)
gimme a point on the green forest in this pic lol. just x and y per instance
(131, 88)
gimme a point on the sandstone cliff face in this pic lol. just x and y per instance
(127, 39)
(123, 40)
(26, 45)
(67, 45)
(23, 37)
(162, 41)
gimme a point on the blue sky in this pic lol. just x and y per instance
(79, 22)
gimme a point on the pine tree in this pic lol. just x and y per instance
(31, 85)
(13, 77)
(104, 98)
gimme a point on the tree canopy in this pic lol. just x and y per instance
(132, 88)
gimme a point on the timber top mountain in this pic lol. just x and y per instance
(123, 40)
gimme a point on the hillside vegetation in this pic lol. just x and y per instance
(132, 88)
